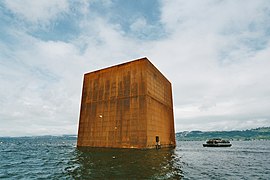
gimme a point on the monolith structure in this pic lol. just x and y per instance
(126, 106)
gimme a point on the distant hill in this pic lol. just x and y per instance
(262, 133)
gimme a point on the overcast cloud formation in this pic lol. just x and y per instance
(215, 53)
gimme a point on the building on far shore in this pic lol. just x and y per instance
(126, 106)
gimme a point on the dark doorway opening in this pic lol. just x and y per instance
(158, 146)
(157, 138)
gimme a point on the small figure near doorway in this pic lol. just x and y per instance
(158, 146)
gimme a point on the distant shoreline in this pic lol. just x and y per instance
(262, 133)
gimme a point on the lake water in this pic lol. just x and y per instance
(58, 158)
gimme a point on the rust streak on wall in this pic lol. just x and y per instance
(126, 106)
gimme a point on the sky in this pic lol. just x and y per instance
(216, 54)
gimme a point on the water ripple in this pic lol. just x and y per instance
(58, 158)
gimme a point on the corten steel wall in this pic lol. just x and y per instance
(160, 120)
(126, 106)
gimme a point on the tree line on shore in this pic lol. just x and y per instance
(262, 133)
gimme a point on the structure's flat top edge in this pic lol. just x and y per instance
(118, 65)
(126, 63)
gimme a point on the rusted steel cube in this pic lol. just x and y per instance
(126, 106)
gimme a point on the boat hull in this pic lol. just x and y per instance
(217, 145)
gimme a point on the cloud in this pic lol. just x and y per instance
(215, 57)
(40, 11)
(42, 80)
(215, 53)
(41, 87)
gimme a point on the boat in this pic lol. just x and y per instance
(217, 143)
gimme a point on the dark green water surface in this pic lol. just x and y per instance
(58, 158)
